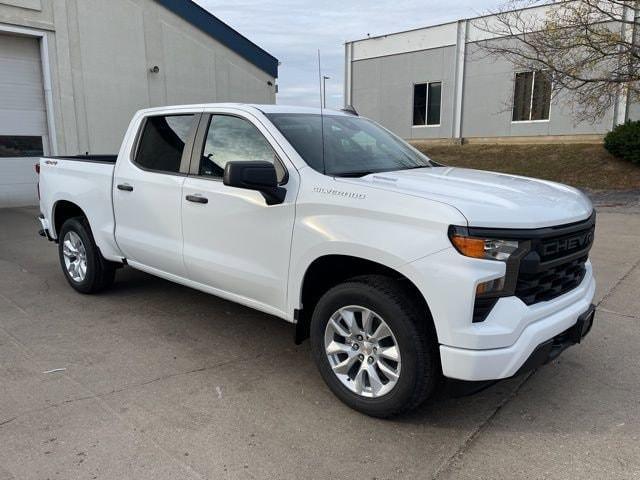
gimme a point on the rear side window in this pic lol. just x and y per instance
(162, 142)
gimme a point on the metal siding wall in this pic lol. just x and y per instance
(488, 97)
(383, 89)
(488, 86)
(634, 111)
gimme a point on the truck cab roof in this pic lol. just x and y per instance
(248, 107)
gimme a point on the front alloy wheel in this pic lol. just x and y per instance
(362, 351)
(375, 346)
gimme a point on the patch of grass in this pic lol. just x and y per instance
(585, 166)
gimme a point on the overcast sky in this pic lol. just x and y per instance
(293, 30)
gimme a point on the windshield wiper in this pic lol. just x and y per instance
(355, 174)
(362, 173)
(415, 166)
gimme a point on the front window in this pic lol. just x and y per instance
(234, 139)
(532, 96)
(353, 146)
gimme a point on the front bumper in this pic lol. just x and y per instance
(544, 353)
(544, 338)
(551, 349)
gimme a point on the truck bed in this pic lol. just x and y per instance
(88, 158)
(86, 181)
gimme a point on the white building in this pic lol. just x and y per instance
(72, 72)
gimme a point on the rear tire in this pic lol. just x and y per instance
(403, 379)
(83, 265)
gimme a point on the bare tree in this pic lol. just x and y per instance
(591, 48)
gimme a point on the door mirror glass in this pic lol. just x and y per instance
(255, 175)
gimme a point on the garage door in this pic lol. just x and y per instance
(23, 120)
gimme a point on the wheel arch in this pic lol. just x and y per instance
(329, 270)
(62, 211)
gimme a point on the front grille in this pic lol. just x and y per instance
(555, 263)
(550, 283)
(549, 262)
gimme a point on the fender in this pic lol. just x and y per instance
(384, 227)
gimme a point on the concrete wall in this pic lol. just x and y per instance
(383, 89)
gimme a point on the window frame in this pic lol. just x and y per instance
(533, 83)
(426, 103)
(199, 145)
(185, 159)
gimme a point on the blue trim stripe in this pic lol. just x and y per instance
(223, 33)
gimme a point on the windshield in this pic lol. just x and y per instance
(353, 146)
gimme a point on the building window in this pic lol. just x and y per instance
(20, 146)
(532, 96)
(427, 101)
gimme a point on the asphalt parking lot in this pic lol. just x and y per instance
(163, 382)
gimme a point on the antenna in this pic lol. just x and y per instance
(324, 166)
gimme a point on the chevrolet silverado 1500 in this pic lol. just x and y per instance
(399, 270)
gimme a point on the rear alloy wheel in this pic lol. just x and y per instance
(375, 346)
(75, 256)
(83, 265)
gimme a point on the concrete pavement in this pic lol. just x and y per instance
(161, 381)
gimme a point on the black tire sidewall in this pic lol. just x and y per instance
(77, 225)
(403, 328)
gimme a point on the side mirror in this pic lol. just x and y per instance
(260, 176)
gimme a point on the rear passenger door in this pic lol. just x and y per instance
(233, 241)
(147, 192)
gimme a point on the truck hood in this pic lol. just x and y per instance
(487, 199)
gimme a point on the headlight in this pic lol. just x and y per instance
(502, 250)
(485, 248)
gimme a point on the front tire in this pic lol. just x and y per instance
(374, 346)
(83, 265)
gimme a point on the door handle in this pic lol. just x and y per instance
(197, 199)
(125, 187)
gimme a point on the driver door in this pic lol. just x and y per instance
(233, 241)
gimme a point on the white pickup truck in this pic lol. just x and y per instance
(401, 271)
